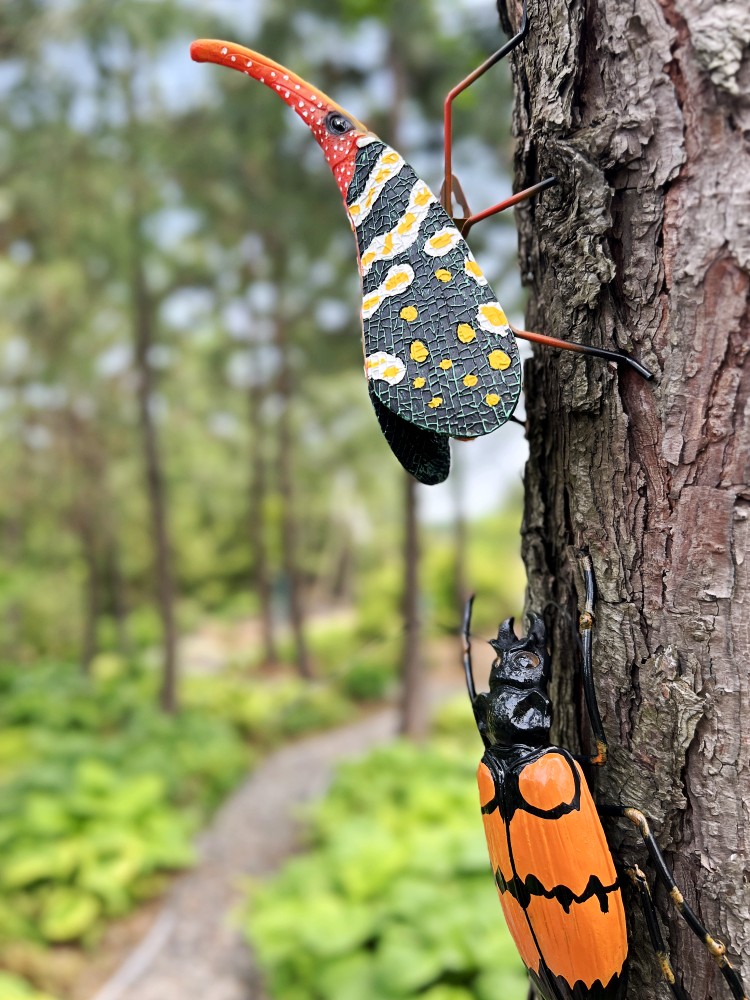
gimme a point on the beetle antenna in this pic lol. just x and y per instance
(468, 667)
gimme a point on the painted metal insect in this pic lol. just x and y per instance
(440, 356)
(558, 884)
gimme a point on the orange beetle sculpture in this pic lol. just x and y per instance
(440, 356)
(557, 881)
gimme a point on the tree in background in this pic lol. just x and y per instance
(142, 201)
(644, 245)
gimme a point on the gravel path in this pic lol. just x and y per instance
(193, 952)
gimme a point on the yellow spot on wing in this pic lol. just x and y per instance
(406, 223)
(442, 275)
(396, 279)
(445, 364)
(499, 360)
(493, 316)
(435, 402)
(386, 367)
(474, 270)
(470, 380)
(441, 240)
(466, 333)
(418, 352)
(492, 399)
(423, 197)
(419, 382)
(408, 313)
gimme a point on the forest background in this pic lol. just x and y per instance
(186, 442)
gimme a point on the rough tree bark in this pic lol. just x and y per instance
(645, 245)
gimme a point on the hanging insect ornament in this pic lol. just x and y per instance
(558, 885)
(440, 356)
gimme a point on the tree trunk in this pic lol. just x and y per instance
(461, 588)
(91, 605)
(117, 592)
(142, 317)
(257, 525)
(413, 714)
(645, 245)
(144, 340)
(413, 707)
(289, 527)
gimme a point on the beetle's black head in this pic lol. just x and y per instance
(516, 708)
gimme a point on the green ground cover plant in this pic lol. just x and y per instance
(101, 793)
(14, 988)
(393, 898)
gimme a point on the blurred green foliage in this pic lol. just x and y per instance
(116, 151)
(101, 793)
(14, 988)
(394, 897)
(115, 148)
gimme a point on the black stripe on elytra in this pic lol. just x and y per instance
(559, 810)
(553, 987)
(523, 890)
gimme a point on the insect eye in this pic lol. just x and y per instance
(337, 124)
(529, 661)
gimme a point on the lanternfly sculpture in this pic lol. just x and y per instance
(440, 357)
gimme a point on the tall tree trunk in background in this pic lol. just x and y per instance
(91, 595)
(82, 458)
(142, 314)
(257, 496)
(117, 592)
(289, 527)
(165, 592)
(413, 718)
(460, 533)
(413, 715)
(645, 245)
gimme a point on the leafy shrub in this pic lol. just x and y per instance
(15, 988)
(100, 794)
(269, 712)
(371, 673)
(394, 898)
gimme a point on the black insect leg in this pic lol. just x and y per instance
(619, 357)
(585, 628)
(531, 995)
(638, 879)
(715, 948)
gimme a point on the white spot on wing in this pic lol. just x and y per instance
(385, 367)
